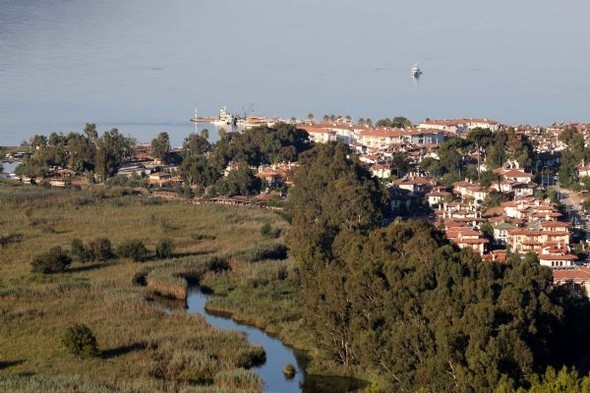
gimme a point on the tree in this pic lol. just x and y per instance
(196, 144)
(333, 196)
(198, 170)
(567, 169)
(90, 132)
(451, 155)
(480, 138)
(161, 147)
(81, 152)
(487, 178)
(79, 340)
(496, 153)
(564, 381)
(111, 150)
(205, 133)
(400, 164)
(431, 166)
(241, 181)
(401, 122)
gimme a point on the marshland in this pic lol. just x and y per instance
(142, 345)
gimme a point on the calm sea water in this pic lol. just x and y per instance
(144, 66)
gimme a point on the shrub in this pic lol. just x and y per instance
(251, 358)
(101, 249)
(262, 251)
(80, 252)
(55, 260)
(289, 371)
(164, 248)
(134, 249)
(80, 341)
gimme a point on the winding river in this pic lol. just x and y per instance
(277, 355)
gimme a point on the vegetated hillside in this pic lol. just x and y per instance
(142, 347)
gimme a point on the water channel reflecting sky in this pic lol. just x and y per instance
(144, 66)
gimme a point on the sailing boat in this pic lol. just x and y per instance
(415, 72)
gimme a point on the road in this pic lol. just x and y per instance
(573, 203)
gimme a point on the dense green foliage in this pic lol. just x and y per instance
(402, 302)
(80, 152)
(493, 148)
(576, 153)
(134, 249)
(262, 145)
(161, 147)
(396, 122)
(55, 260)
(563, 381)
(333, 195)
(203, 164)
(241, 181)
(79, 340)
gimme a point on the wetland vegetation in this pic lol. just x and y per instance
(141, 347)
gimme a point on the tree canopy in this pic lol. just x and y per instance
(403, 303)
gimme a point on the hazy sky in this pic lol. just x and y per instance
(146, 65)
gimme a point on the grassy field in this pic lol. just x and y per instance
(143, 347)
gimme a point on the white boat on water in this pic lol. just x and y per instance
(225, 118)
(416, 72)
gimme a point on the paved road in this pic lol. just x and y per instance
(573, 203)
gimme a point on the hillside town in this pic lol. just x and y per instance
(526, 222)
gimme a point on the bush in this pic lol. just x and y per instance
(164, 249)
(289, 371)
(101, 249)
(134, 249)
(80, 341)
(251, 358)
(262, 251)
(80, 252)
(55, 260)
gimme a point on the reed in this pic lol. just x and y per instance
(137, 340)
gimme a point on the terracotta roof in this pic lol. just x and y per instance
(516, 173)
(473, 241)
(556, 257)
(555, 224)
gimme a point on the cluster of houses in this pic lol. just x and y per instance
(525, 224)
(430, 132)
